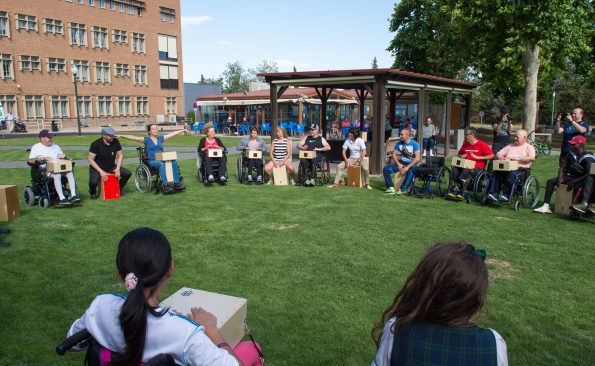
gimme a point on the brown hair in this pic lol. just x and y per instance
(448, 287)
(283, 130)
(149, 127)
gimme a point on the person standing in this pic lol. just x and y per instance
(502, 129)
(573, 125)
(105, 157)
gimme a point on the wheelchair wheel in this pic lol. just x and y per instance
(530, 192)
(547, 149)
(239, 170)
(443, 180)
(29, 196)
(301, 174)
(44, 202)
(480, 186)
(143, 179)
(517, 205)
(325, 172)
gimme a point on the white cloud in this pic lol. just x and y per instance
(287, 65)
(225, 43)
(188, 22)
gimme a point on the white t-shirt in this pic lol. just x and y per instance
(171, 334)
(385, 349)
(356, 147)
(39, 150)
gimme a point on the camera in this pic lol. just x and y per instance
(564, 115)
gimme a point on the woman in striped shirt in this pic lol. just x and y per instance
(280, 154)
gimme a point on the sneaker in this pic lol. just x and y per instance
(334, 185)
(211, 178)
(93, 196)
(581, 207)
(64, 202)
(179, 187)
(292, 182)
(222, 179)
(259, 180)
(424, 153)
(492, 197)
(503, 198)
(460, 195)
(399, 192)
(451, 195)
(270, 182)
(431, 153)
(368, 186)
(250, 179)
(75, 199)
(391, 190)
(592, 209)
(543, 209)
(167, 189)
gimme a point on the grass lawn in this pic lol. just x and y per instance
(318, 266)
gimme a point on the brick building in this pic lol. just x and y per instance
(128, 54)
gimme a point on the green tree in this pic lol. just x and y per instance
(235, 78)
(266, 66)
(294, 69)
(374, 63)
(211, 81)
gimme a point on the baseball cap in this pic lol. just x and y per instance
(108, 131)
(45, 133)
(314, 127)
(504, 109)
(578, 139)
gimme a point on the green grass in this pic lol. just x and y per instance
(318, 266)
(86, 140)
(22, 155)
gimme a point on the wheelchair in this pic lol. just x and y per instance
(242, 169)
(321, 171)
(202, 173)
(472, 189)
(525, 189)
(574, 213)
(96, 354)
(146, 178)
(432, 171)
(42, 190)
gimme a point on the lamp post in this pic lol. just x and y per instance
(75, 71)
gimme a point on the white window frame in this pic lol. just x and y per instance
(171, 105)
(100, 37)
(6, 66)
(138, 42)
(102, 4)
(34, 104)
(142, 106)
(78, 34)
(27, 63)
(9, 103)
(60, 106)
(85, 106)
(112, 5)
(102, 72)
(125, 102)
(30, 22)
(119, 36)
(121, 70)
(83, 73)
(4, 24)
(104, 106)
(53, 24)
(140, 75)
(56, 64)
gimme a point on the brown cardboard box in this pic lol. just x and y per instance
(215, 153)
(505, 165)
(364, 136)
(592, 171)
(280, 176)
(563, 200)
(9, 203)
(59, 166)
(165, 156)
(354, 176)
(253, 154)
(306, 154)
(463, 163)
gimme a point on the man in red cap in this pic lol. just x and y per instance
(575, 172)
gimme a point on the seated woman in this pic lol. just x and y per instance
(357, 153)
(280, 154)
(253, 143)
(153, 145)
(431, 316)
(335, 129)
(345, 123)
(211, 142)
(138, 329)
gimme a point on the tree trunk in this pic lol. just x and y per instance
(531, 63)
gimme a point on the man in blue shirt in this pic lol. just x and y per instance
(573, 126)
(404, 157)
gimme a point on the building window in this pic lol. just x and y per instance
(124, 106)
(120, 36)
(4, 26)
(80, 1)
(122, 7)
(170, 105)
(112, 5)
(6, 66)
(27, 22)
(104, 106)
(34, 106)
(168, 75)
(78, 34)
(102, 4)
(121, 70)
(138, 42)
(140, 74)
(142, 106)
(60, 106)
(30, 63)
(9, 103)
(83, 73)
(53, 26)
(92, 2)
(167, 14)
(85, 106)
(130, 9)
(99, 37)
(56, 64)
(102, 72)
(168, 50)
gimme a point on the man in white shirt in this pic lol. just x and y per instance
(46, 151)
(357, 156)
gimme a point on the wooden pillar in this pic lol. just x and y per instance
(337, 112)
(446, 123)
(200, 117)
(377, 154)
(273, 99)
(467, 110)
(323, 113)
(422, 112)
(300, 120)
(392, 104)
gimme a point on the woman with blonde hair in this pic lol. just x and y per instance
(280, 154)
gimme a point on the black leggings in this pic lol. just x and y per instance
(252, 164)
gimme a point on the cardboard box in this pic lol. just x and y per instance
(505, 165)
(280, 176)
(592, 171)
(215, 153)
(354, 176)
(166, 156)
(59, 166)
(253, 154)
(230, 311)
(110, 189)
(364, 136)
(463, 163)
(563, 200)
(9, 203)
(307, 154)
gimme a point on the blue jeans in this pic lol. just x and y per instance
(509, 178)
(428, 143)
(391, 169)
(161, 166)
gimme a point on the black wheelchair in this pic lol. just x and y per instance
(242, 169)
(42, 190)
(321, 172)
(216, 167)
(470, 189)
(96, 354)
(146, 178)
(432, 171)
(525, 189)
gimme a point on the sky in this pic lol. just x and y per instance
(308, 34)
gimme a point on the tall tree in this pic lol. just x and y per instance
(374, 63)
(266, 66)
(211, 81)
(235, 78)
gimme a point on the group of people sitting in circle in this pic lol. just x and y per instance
(438, 301)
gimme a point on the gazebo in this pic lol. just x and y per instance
(383, 85)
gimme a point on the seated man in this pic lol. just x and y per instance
(46, 150)
(212, 142)
(253, 143)
(105, 157)
(314, 142)
(472, 149)
(575, 172)
(520, 151)
(405, 156)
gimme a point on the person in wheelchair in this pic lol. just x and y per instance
(575, 173)
(472, 149)
(405, 156)
(313, 142)
(357, 154)
(520, 151)
(46, 151)
(280, 155)
(253, 143)
(153, 145)
(105, 157)
(135, 328)
(211, 142)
